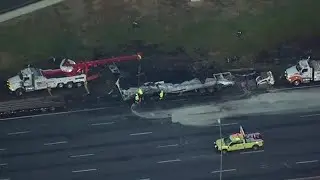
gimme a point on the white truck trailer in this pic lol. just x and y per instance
(33, 79)
(305, 71)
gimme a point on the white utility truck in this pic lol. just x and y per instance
(305, 71)
(33, 79)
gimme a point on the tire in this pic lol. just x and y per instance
(19, 92)
(218, 87)
(69, 85)
(296, 83)
(255, 147)
(202, 91)
(60, 85)
(211, 90)
(78, 84)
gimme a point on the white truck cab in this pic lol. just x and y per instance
(33, 79)
(23, 81)
(304, 71)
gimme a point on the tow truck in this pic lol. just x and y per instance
(305, 71)
(70, 74)
(239, 141)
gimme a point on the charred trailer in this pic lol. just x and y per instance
(32, 106)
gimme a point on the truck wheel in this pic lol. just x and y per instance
(43, 110)
(78, 84)
(255, 147)
(218, 87)
(69, 85)
(224, 151)
(60, 85)
(202, 91)
(19, 92)
(52, 109)
(211, 90)
(296, 83)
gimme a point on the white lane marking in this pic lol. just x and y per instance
(169, 161)
(138, 134)
(169, 145)
(3, 149)
(306, 178)
(145, 179)
(306, 162)
(57, 113)
(55, 143)
(225, 170)
(263, 166)
(203, 156)
(251, 152)
(309, 115)
(5, 179)
(83, 170)
(19, 132)
(3, 164)
(228, 124)
(81, 155)
(100, 124)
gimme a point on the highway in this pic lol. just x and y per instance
(9, 5)
(104, 144)
(10, 9)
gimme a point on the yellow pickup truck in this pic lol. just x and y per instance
(239, 141)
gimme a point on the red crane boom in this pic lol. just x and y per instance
(72, 68)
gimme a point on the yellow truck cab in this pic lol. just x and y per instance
(239, 141)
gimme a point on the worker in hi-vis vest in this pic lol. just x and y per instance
(161, 95)
(140, 93)
(137, 98)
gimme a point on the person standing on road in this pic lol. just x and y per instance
(137, 98)
(140, 93)
(161, 95)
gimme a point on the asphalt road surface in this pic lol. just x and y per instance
(15, 8)
(9, 5)
(105, 144)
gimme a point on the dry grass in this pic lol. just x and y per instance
(77, 28)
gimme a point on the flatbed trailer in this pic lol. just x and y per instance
(31, 106)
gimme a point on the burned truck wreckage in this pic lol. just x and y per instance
(210, 85)
(195, 85)
(174, 87)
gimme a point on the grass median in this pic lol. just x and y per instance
(51, 31)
